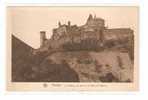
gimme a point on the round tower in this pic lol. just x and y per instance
(69, 23)
(42, 38)
(59, 23)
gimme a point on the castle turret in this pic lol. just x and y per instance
(90, 17)
(97, 23)
(69, 23)
(59, 23)
(95, 16)
(42, 38)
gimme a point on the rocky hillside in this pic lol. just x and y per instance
(69, 66)
(29, 67)
(105, 66)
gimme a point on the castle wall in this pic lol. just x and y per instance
(117, 34)
(92, 35)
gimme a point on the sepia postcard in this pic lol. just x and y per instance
(72, 48)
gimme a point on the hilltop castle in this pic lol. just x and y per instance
(93, 35)
(87, 53)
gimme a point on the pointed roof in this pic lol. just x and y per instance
(90, 17)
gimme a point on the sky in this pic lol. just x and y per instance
(27, 22)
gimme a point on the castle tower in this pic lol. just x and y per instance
(95, 16)
(42, 38)
(90, 17)
(69, 23)
(59, 23)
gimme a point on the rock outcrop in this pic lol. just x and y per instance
(105, 66)
(27, 67)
